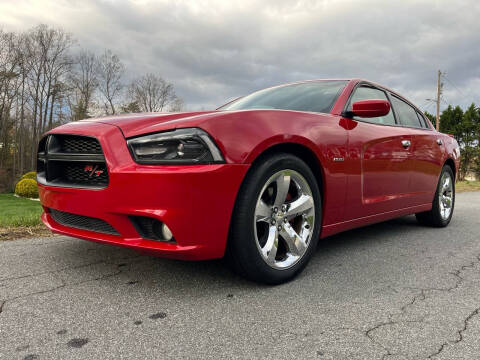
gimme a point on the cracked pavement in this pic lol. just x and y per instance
(394, 290)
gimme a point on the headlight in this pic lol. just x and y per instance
(182, 146)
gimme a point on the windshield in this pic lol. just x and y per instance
(314, 96)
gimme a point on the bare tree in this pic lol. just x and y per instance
(43, 84)
(177, 105)
(109, 72)
(57, 64)
(151, 93)
(46, 59)
(9, 86)
(84, 83)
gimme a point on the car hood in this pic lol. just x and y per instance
(137, 124)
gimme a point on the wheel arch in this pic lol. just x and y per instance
(301, 151)
(451, 163)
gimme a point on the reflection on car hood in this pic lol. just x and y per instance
(136, 124)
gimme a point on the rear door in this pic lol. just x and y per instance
(426, 152)
(379, 161)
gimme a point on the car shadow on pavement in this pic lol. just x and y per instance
(372, 234)
(151, 273)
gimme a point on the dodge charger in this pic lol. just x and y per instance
(259, 180)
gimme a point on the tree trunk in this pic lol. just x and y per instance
(111, 106)
(34, 122)
(22, 130)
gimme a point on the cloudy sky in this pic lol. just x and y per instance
(216, 50)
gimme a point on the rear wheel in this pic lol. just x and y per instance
(443, 202)
(276, 221)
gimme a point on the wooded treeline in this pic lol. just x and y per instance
(465, 127)
(46, 80)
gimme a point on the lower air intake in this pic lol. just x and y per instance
(82, 222)
(151, 229)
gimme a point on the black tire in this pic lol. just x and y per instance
(242, 249)
(434, 217)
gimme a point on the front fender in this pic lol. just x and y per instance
(243, 136)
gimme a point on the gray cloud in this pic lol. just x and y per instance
(215, 50)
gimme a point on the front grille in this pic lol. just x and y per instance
(82, 222)
(94, 175)
(79, 145)
(71, 161)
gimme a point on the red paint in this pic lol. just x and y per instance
(378, 180)
(371, 108)
(379, 170)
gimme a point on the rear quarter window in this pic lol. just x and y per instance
(423, 121)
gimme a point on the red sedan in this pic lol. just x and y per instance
(259, 180)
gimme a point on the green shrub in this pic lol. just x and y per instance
(29, 175)
(27, 188)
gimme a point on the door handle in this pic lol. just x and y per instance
(439, 142)
(406, 143)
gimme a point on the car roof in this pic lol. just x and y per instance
(354, 80)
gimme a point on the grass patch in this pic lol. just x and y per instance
(19, 212)
(464, 186)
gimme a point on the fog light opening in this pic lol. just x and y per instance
(167, 234)
(152, 229)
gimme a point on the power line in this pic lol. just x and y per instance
(451, 83)
(460, 91)
(429, 104)
(442, 98)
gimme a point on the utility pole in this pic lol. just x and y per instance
(439, 92)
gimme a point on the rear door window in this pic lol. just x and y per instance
(406, 114)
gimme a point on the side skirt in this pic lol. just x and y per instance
(372, 219)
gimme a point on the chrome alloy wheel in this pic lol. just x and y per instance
(445, 195)
(284, 219)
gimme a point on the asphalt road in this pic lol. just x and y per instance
(395, 290)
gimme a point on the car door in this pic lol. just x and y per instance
(379, 161)
(426, 152)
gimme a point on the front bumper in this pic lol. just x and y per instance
(194, 201)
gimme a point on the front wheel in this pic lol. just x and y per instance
(443, 202)
(276, 220)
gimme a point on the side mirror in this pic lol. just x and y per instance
(370, 108)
